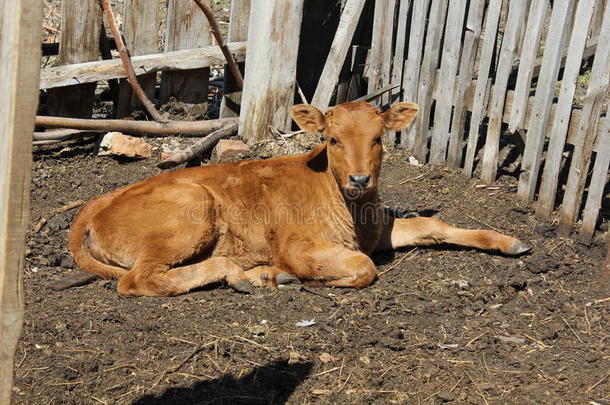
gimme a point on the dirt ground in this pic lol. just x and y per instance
(440, 325)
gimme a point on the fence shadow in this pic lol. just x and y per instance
(268, 384)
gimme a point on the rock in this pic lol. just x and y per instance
(446, 396)
(461, 284)
(228, 148)
(117, 144)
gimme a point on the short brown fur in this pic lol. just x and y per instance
(315, 216)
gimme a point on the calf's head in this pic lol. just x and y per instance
(353, 134)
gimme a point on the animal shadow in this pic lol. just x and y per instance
(268, 384)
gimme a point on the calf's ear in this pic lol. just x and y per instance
(400, 116)
(308, 117)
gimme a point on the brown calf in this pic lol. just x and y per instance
(315, 216)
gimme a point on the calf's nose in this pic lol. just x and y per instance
(359, 180)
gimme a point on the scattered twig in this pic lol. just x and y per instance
(471, 341)
(375, 94)
(184, 128)
(412, 179)
(483, 223)
(125, 58)
(239, 80)
(302, 95)
(476, 387)
(402, 259)
(56, 211)
(573, 331)
(591, 388)
(198, 149)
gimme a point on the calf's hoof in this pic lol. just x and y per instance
(518, 248)
(287, 281)
(243, 286)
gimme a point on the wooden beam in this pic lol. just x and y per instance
(20, 22)
(338, 51)
(88, 72)
(81, 23)
(269, 82)
(238, 31)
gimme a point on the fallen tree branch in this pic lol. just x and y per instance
(199, 148)
(56, 211)
(131, 75)
(239, 80)
(74, 279)
(184, 128)
(62, 134)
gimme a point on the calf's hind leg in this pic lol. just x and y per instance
(422, 231)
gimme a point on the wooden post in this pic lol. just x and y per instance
(187, 28)
(269, 82)
(238, 31)
(381, 48)
(141, 26)
(20, 22)
(80, 40)
(587, 129)
(338, 52)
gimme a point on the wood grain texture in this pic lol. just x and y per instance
(472, 35)
(338, 51)
(238, 31)
(516, 14)
(594, 99)
(379, 68)
(447, 79)
(60, 76)
(20, 54)
(141, 26)
(80, 35)
(543, 101)
(187, 28)
(269, 82)
(561, 121)
(479, 105)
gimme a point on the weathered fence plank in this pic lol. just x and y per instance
(596, 187)
(187, 28)
(535, 24)
(81, 23)
(478, 109)
(238, 31)
(543, 101)
(464, 81)
(188, 59)
(141, 26)
(438, 11)
(338, 51)
(20, 22)
(596, 93)
(561, 121)
(381, 49)
(447, 77)
(399, 56)
(516, 14)
(413, 63)
(269, 81)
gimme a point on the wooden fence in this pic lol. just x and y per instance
(488, 74)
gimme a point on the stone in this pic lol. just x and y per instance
(118, 144)
(228, 148)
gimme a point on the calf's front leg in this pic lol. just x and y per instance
(423, 231)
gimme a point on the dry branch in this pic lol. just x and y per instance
(56, 211)
(131, 75)
(239, 80)
(199, 148)
(186, 128)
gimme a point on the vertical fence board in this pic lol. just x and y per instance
(338, 51)
(238, 31)
(81, 23)
(187, 28)
(413, 63)
(381, 48)
(438, 11)
(583, 145)
(597, 185)
(543, 101)
(535, 24)
(487, 51)
(269, 81)
(20, 22)
(561, 121)
(399, 55)
(516, 14)
(141, 24)
(464, 81)
(447, 79)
